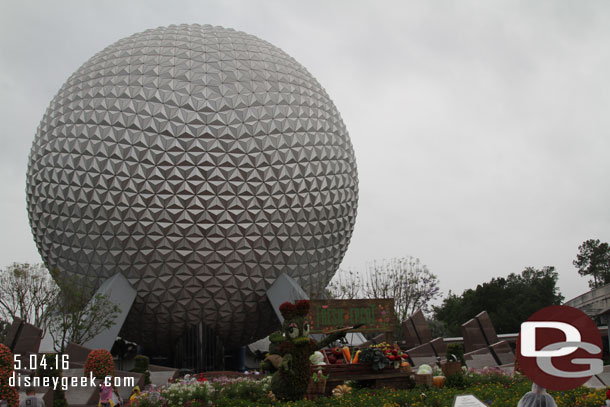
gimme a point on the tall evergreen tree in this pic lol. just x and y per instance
(593, 260)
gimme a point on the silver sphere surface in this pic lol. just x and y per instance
(200, 162)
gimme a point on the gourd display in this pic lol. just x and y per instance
(438, 381)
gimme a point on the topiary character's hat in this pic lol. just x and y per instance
(290, 310)
(302, 307)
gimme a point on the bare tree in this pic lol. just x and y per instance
(26, 292)
(345, 285)
(406, 280)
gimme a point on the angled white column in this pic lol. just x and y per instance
(120, 292)
(284, 288)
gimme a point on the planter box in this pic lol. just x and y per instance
(450, 368)
(315, 390)
(423, 380)
(362, 372)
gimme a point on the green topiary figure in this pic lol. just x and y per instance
(273, 359)
(291, 380)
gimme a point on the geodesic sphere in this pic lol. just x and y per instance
(200, 162)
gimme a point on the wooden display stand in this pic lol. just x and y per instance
(369, 315)
(363, 372)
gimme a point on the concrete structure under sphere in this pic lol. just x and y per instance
(200, 162)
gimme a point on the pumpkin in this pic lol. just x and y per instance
(341, 390)
(438, 381)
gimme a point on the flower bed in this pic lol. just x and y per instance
(492, 387)
(207, 392)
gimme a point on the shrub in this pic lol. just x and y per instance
(458, 350)
(141, 366)
(100, 363)
(7, 392)
(457, 380)
(6, 361)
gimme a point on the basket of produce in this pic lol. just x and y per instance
(450, 368)
(424, 376)
(317, 384)
(382, 356)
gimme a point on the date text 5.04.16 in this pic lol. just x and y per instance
(34, 361)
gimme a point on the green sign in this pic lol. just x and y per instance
(374, 315)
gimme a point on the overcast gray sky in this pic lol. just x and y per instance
(481, 128)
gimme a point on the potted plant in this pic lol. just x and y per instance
(317, 385)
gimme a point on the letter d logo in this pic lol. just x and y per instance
(559, 348)
(528, 338)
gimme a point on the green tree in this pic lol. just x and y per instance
(78, 315)
(70, 313)
(141, 366)
(593, 260)
(509, 301)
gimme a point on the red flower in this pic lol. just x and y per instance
(7, 392)
(6, 358)
(302, 307)
(288, 310)
(100, 363)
